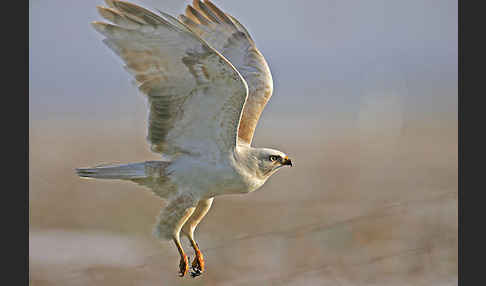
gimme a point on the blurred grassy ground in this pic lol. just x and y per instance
(361, 207)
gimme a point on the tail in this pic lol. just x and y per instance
(121, 172)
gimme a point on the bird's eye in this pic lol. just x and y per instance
(274, 158)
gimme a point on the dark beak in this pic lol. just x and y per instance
(287, 162)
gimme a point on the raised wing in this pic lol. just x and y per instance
(196, 96)
(225, 34)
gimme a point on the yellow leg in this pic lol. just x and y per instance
(171, 220)
(184, 263)
(202, 208)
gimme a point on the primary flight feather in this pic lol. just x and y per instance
(207, 85)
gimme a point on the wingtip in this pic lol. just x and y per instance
(98, 26)
(109, 14)
(101, 8)
(110, 3)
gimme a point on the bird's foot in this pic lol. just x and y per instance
(197, 265)
(183, 266)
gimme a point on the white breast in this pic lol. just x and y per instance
(208, 179)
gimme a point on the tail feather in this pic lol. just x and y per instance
(121, 172)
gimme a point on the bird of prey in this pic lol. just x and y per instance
(206, 84)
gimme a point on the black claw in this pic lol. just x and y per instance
(181, 274)
(196, 268)
(196, 272)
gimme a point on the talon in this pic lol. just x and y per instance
(183, 265)
(195, 273)
(198, 263)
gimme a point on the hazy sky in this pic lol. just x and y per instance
(327, 57)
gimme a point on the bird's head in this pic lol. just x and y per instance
(269, 161)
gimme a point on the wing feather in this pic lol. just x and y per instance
(229, 37)
(195, 95)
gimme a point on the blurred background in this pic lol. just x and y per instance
(365, 104)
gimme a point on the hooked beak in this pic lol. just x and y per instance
(287, 162)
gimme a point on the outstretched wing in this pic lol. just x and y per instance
(225, 34)
(196, 96)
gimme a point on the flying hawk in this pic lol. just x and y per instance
(206, 84)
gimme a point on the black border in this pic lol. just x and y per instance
(471, 152)
(15, 152)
